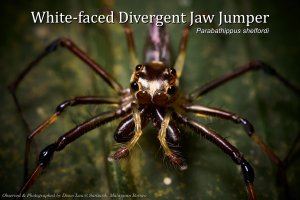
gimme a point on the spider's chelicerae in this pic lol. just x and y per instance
(153, 97)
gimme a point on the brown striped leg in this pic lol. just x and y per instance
(254, 65)
(130, 44)
(72, 47)
(247, 126)
(226, 147)
(68, 44)
(59, 110)
(129, 37)
(47, 153)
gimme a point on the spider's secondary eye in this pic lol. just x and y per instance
(134, 86)
(138, 67)
(173, 71)
(171, 90)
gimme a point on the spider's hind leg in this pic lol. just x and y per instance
(227, 148)
(250, 131)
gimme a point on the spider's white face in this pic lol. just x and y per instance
(154, 84)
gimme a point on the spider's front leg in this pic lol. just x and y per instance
(247, 126)
(47, 153)
(59, 110)
(73, 48)
(238, 72)
(249, 130)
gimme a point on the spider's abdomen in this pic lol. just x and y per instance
(157, 47)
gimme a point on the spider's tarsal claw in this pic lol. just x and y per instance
(119, 154)
(177, 161)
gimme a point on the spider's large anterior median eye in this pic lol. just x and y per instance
(143, 97)
(160, 98)
(171, 90)
(134, 86)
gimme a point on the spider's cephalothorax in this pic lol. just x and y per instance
(154, 98)
(154, 83)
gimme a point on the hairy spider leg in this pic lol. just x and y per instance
(226, 147)
(72, 47)
(130, 44)
(249, 130)
(59, 110)
(67, 138)
(247, 126)
(251, 66)
(129, 36)
(179, 63)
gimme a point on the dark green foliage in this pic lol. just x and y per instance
(82, 167)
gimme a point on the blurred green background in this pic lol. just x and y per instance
(82, 167)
